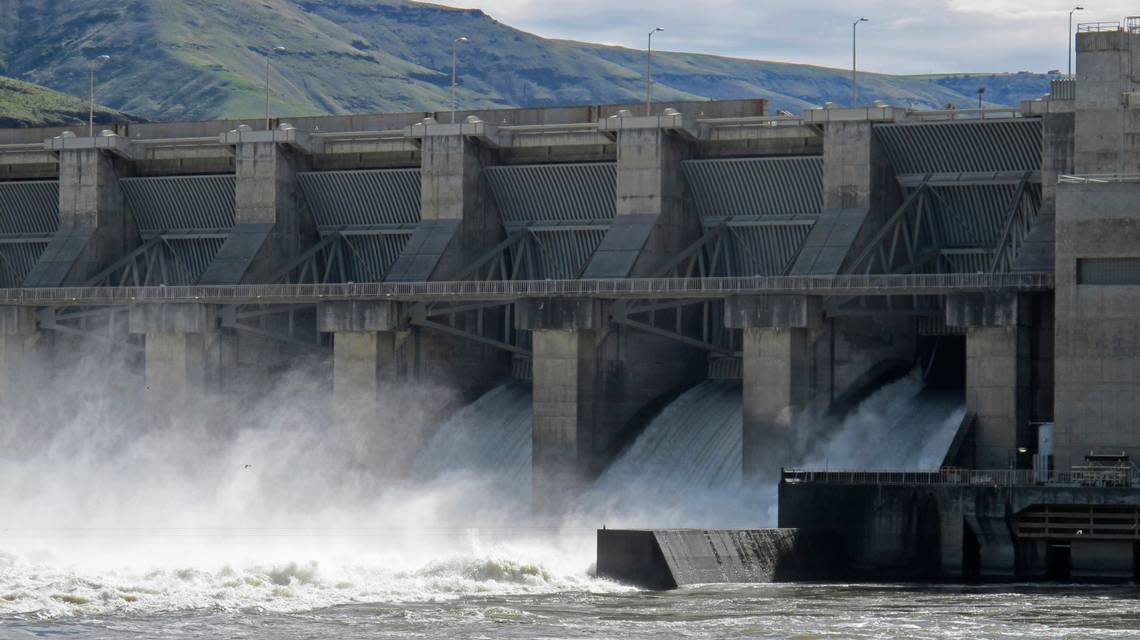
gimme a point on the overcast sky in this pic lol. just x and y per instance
(904, 36)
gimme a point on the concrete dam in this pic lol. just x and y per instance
(582, 299)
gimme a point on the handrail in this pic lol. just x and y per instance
(1097, 27)
(988, 113)
(635, 288)
(1103, 477)
(572, 127)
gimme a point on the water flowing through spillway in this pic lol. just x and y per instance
(490, 436)
(901, 427)
(685, 468)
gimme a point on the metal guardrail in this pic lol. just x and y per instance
(989, 113)
(1063, 89)
(1098, 178)
(1077, 477)
(662, 288)
(1097, 27)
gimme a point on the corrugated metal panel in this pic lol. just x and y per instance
(756, 186)
(971, 216)
(969, 261)
(16, 260)
(29, 207)
(382, 196)
(181, 202)
(764, 250)
(561, 254)
(188, 259)
(549, 192)
(373, 254)
(953, 147)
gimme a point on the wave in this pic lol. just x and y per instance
(43, 590)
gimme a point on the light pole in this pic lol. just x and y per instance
(981, 90)
(1069, 40)
(854, 84)
(455, 74)
(91, 108)
(267, 56)
(649, 73)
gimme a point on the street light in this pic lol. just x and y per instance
(981, 90)
(91, 111)
(267, 56)
(1069, 41)
(649, 73)
(854, 85)
(455, 74)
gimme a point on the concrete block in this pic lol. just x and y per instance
(560, 314)
(18, 321)
(178, 318)
(784, 311)
(359, 316)
(986, 310)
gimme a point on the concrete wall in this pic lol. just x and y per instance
(1106, 133)
(926, 531)
(95, 227)
(1097, 342)
(670, 558)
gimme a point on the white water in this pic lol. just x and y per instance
(490, 437)
(901, 427)
(261, 505)
(257, 505)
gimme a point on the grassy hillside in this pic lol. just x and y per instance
(23, 104)
(192, 59)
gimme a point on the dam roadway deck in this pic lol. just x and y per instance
(507, 290)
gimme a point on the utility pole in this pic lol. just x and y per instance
(649, 73)
(1069, 40)
(91, 106)
(455, 74)
(854, 83)
(267, 56)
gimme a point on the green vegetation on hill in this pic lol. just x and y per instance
(196, 59)
(23, 104)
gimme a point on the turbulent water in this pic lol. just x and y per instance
(271, 527)
(901, 427)
(595, 611)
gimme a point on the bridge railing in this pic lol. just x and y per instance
(862, 284)
(1076, 477)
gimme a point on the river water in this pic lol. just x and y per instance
(506, 600)
(278, 525)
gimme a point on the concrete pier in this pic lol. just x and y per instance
(182, 351)
(998, 370)
(777, 381)
(270, 225)
(458, 221)
(95, 228)
(364, 355)
(18, 367)
(651, 224)
(566, 336)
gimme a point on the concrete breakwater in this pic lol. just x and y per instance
(671, 558)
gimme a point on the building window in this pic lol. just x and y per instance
(1108, 271)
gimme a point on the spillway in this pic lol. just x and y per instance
(902, 427)
(695, 442)
(685, 467)
(489, 437)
